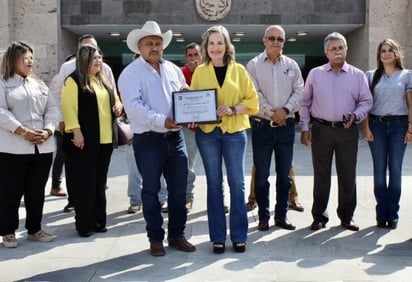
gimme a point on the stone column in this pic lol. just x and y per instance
(36, 23)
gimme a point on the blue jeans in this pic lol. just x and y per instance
(265, 141)
(214, 147)
(134, 183)
(157, 154)
(388, 150)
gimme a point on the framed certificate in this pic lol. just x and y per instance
(198, 106)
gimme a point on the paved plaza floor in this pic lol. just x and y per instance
(121, 254)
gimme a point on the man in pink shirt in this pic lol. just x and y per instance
(336, 98)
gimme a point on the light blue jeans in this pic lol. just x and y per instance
(214, 147)
(134, 185)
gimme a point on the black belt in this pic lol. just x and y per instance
(334, 124)
(164, 135)
(270, 123)
(388, 118)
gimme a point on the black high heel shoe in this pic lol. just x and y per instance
(381, 223)
(101, 229)
(218, 248)
(84, 234)
(392, 224)
(239, 247)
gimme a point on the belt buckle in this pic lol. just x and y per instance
(333, 124)
(256, 119)
(273, 124)
(168, 134)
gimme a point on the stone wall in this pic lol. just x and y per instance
(5, 23)
(34, 22)
(41, 22)
(390, 19)
(359, 48)
(75, 12)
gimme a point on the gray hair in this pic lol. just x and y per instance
(332, 37)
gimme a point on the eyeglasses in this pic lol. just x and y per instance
(276, 38)
(335, 49)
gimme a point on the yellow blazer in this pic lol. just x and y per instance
(237, 89)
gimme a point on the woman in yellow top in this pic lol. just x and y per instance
(225, 140)
(89, 106)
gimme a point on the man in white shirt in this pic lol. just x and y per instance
(146, 86)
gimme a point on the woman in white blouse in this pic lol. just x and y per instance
(28, 117)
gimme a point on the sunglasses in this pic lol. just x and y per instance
(276, 38)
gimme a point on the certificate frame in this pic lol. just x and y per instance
(195, 106)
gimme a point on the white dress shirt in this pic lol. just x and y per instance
(278, 84)
(147, 95)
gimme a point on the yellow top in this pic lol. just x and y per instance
(237, 89)
(70, 108)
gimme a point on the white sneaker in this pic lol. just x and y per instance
(40, 236)
(10, 241)
(134, 208)
(189, 205)
(164, 208)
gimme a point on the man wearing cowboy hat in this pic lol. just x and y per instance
(146, 86)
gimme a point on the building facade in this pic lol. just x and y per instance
(52, 27)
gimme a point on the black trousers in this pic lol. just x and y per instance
(57, 168)
(343, 143)
(58, 162)
(86, 175)
(22, 175)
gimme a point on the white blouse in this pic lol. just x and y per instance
(25, 101)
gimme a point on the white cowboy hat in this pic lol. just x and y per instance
(150, 28)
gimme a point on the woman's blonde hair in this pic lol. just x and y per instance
(229, 55)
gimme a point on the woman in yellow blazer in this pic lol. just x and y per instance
(89, 106)
(225, 140)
